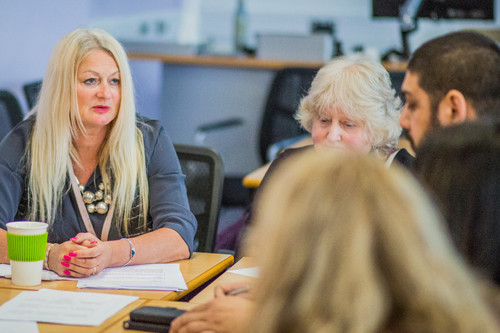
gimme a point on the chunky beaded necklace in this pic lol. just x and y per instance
(104, 199)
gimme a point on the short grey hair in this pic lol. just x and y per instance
(362, 89)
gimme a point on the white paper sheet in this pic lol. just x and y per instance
(251, 271)
(64, 307)
(6, 271)
(10, 326)
(139, 277)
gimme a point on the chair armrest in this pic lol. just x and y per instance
(203, 130)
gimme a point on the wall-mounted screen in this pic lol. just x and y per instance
(445, 9)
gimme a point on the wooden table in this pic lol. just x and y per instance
(196, 271)
(112, 324)
(207, 294)
(199, 269)
(7, 294)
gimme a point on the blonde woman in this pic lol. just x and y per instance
(106, 180)
(357, 248)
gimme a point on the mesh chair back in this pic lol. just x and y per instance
(31, 91)
(204, 177)
(10, 112)
(278, 122)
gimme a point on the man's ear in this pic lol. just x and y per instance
(453, 109)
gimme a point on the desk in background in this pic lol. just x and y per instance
(254, 178)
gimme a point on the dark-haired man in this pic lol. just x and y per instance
(451, 79)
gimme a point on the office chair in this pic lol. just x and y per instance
(204, 177)
(278, 122)
(10, 112)
(397, 80)
(31, 91)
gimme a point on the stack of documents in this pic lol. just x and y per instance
(63, 307)
(139, 277)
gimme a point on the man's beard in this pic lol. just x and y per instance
(433, 124)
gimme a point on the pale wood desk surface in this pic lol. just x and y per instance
(199, 269)
(7, 294)
(112, 324)
(207, 294)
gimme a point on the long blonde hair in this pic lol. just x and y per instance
(51, 148)
(345, 245)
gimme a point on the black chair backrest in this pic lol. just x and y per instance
(10, 112)
(31, 91)
(204, 177)
(397, 80)
(278, 123)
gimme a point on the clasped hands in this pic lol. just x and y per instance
(82, 256)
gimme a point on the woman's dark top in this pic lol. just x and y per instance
(168, 203)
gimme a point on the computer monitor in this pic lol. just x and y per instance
(408, 12)
(438, 9)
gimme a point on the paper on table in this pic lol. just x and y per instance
(143, 277)
(5, 271)
(251, 271)
(64, 307)
(10, 326)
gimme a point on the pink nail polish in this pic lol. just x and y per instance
(67, 258)
(64, 263)
(74, 239)
(94, 242)
(72, 254)
(66, 272)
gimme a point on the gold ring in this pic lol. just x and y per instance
(94, 270)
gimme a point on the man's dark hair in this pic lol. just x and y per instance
(466, 61)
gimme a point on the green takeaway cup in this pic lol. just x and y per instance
(26, 244)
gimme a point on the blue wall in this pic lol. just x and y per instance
(29, 29)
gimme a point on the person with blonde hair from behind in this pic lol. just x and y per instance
(106, 179)
(346, 245)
